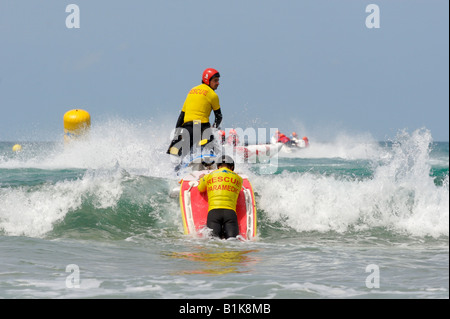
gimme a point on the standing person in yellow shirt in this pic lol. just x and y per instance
(223, 186)
(194, 116)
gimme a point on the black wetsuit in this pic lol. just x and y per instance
(223, 222)
(193, 133)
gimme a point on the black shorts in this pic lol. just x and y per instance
(195, 136)
(223, 222)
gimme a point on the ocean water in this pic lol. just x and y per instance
(351, 218)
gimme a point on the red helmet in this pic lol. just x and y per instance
(208, 74)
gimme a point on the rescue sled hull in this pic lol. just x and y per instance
(194, 207)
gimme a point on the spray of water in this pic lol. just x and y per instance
(400, 196)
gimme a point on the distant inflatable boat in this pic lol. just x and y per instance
(258, 153)
(292, 145)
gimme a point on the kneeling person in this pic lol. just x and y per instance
(223, 186)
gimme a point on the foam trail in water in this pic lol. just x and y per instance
(343, 146)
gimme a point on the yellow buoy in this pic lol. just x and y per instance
(17, 148)
(76, 124)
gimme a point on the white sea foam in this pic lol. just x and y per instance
(32, 211)
(343, 146)
(400, 196)
(139, 147)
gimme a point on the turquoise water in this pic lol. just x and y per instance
(341, 219)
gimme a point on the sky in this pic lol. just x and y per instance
(317, 67)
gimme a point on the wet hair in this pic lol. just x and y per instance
(226, 160)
